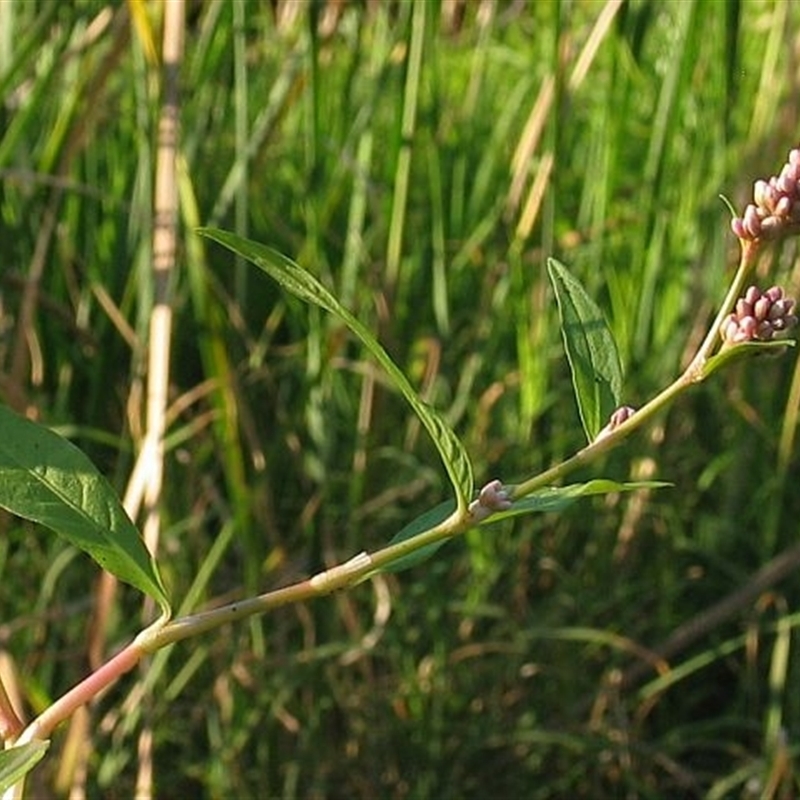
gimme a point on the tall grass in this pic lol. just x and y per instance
(423, 158)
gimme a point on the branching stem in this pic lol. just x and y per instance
(362, 565)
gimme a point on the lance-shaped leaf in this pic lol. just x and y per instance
(558, 498)
(302, 284)
(424, 522)
(46, 479)
(591, 350)
(550, 499)
(17, 762)
(742, 350)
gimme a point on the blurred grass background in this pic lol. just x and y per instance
(423, 159)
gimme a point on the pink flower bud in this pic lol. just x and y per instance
(751, 222)
(771, 197)
(492, 498)
(777, 310)
(748, 326)
(752, 294)
(730, 327)
(787, 179)
(744, 308)
(761, 308)
(770, 227)
(620, 415)
(737, 226)
(784, 206)
(760, 189)
(764, 331)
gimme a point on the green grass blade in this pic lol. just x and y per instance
(591, 350)
(46, 479)
(402, 176)
(302, 284)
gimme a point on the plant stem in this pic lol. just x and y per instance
(747, 262)
(194, 624)
(606, 443)
(10, 723)
(362, 565)
(83, 692)
(694, 373)
(356, 569)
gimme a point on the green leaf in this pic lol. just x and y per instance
(17, 762)
(302, 284)
(424, 522)
(744, 350)
(46, 479)
(591, 351)
(551, 499)
(558, 498)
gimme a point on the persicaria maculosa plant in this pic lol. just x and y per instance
(45, 479)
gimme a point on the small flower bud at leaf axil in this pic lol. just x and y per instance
(622, 414)
(493, 497)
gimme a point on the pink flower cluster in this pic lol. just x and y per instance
(759, 316)
(775, 209)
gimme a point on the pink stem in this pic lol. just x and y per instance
(83, 692)
(10, 723)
